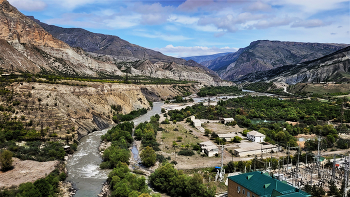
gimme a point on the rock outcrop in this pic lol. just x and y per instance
(334, 67)
(264, 55)
(26, 46)
(86, 108)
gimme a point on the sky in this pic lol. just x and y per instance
(199, 27)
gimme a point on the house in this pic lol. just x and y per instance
(255, 136)
(257, 184)
(227, 136)
(226, 120)
(255, 149)
(209, 148)
(197, 123)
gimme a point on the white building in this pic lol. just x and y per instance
(227, 120)
(255, 149)
(227, 136)
(197, 123)
(255, 136)
(209, 148)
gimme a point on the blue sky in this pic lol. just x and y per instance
(199, 27)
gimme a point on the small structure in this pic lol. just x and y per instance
(227, 136)
(257, 184)
(255, 150)
(197, 123)
(226, 120)
(255, 136)
(209, 148)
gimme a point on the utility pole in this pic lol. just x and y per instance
(333, 168)
(346, 176)
(297, 167)
(288, 158)
(318, 158)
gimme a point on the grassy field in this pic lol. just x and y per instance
(320, 88)
(171, 133)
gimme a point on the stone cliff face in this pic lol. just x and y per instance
(264, 55)
(114, 49)
(334, 67)
(88, 108)
(38, 50)
(27, 47)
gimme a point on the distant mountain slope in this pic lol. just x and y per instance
(202, 58)
(25, 46)
(108, 48)
(105, 44)
(264, 55)
(221, 63)
(334, 67)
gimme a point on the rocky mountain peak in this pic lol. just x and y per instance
(16, 27)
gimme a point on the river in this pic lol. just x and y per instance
(83, 166)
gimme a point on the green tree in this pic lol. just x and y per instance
(237, 139)
(207, 132)
(148, 156)
(6, 160)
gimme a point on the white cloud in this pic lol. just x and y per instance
(230, 22)
(259, 6)
(182, 51)
(72, 4)
(122, 22)
(193, 5)
(28, 5)
(274, 22)
(159, 35)
(310, 23)
(183, 19)
(152, 14)
(311, 6)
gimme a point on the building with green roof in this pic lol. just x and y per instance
(257, 184)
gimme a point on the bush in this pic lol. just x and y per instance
(6, 160)
(166, 121)
(186, 152)
(148, 156)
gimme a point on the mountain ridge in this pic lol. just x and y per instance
(334, 67)
(264, 55)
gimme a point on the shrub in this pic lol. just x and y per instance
(186, 152)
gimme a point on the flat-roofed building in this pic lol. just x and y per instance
(227, 136)
(257, 184)
(255, 136)
(209, 148)
(226, 120)
(255, 149)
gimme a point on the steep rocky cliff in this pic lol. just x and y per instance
(330, 68)
(119, 50)
(25, 46)
(38, 50)
(86, 108)
(264, 55)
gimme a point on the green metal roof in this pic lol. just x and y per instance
(264, 185)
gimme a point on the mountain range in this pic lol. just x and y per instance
(334, 67)
(27, 47)
(203, 58)
(264, 55)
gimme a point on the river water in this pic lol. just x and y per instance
(83, 166)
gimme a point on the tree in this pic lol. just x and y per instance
(148, 156)
(237, 139)
(6, 160)
(207, 132)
